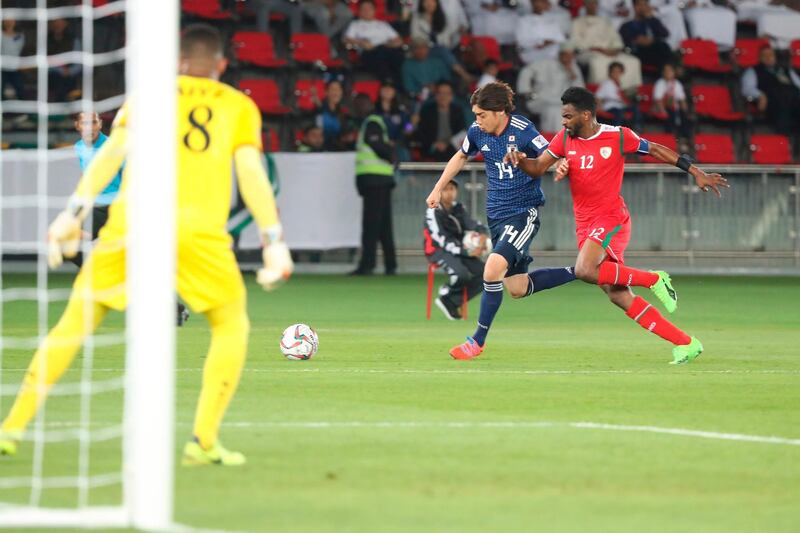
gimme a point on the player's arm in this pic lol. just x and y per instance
(450, 171)
(260, 200)
(64, 234)
(532, 166)
(703, 180)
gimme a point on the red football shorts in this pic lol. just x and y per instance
(613, 233)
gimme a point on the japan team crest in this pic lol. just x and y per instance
(605, 152)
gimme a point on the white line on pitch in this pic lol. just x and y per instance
(317, 370)
(499, 424)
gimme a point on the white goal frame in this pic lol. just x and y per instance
(148, 438)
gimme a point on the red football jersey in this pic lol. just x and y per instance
(596, 166)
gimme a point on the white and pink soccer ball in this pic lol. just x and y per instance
(299, 342)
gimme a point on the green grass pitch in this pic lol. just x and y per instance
(383, 432)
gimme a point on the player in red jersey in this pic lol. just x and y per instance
(592, 155)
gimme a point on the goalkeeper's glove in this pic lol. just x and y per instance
(278, 265)
(64, 234)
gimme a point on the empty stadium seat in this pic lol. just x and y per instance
(369, 87)
(644, 94)
(794, 49)
(700, 54)
(713, 148)
(207, 9)
(746, 51)
(269, 138)
(665, 139)
(266, 95)
(714, 23)
(313, 48)
(770, 149)
(714, 101)
(490, 47)
(256, 48)
(304, 96)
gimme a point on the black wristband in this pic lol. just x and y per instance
(684, 162)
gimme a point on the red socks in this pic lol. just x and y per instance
(612, 273)
(650, 319)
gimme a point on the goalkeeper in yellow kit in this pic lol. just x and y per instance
(218, 127)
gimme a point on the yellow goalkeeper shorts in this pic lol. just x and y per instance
(208, 275)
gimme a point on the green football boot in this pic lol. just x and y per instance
(195, 455)
(687, 352)
(9, 441)
(664, 291)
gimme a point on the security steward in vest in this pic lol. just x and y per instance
(375, 181)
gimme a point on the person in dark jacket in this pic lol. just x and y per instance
(439, 121)
(646, 36)
(375, 181)
(444, 236)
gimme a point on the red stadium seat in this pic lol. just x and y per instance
(269, 138)
(489, 46)
(746, 51)
(770, 149)
(369, 87)
(207, 9)
(714, 101)
(713, 148)
(256, 48)
(304, 95)
(794, 50)
(645, 96)
(700, 54)
(313, 48)
(666, 139)
(266, 95)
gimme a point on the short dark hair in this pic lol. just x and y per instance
(615, 64)
(495, 96)
(201, 38)
(580, 98)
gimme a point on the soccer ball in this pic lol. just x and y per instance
(472, 241)
(299, 342)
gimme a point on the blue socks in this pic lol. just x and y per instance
(490, 303)
(547, 278)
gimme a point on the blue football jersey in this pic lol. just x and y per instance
(510, 191)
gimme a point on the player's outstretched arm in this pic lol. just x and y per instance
(257, 195)
(703, 180)
(450, 171)
(532, 167)
(64, 234)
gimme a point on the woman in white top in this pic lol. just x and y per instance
(429, 21)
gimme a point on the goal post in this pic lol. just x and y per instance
(145, 470)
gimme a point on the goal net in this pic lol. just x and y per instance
(100, 451)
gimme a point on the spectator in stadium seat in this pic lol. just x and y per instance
(541, 84)
(612, 99)
(538, 35)
(430, 22)
(334, 119)
(292, 10)
(396, 117)
(493, 17)
(330, 17)
(422, 69)
(12, 44)
(63, 79)
(440, 121)
(489, 74)
(646, 36)
(313, 140)
(669, 97)
(378, 44)
(776, 91)
(599, 44)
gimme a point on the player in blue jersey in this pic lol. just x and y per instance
(512, 206)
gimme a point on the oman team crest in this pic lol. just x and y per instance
(605, 152)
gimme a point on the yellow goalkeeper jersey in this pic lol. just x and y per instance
(214, 119)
